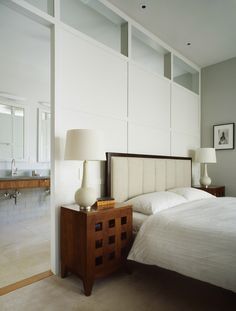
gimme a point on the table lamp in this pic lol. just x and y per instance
(205, 155)
(84, 145)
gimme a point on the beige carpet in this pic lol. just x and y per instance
(146, 289)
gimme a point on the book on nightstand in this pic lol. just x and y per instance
(105, 202)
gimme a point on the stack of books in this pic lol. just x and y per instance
(105, 202)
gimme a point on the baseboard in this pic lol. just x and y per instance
(35, 278)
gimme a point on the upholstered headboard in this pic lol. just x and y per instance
(129, 175)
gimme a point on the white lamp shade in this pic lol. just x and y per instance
(205, 155)
(84, 144)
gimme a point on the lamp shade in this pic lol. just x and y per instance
(84, 144)
(205, 155)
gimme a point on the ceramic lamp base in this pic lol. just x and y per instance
(205, 180)
(85, 197)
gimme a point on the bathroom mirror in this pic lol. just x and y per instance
(12, 120)
(44, 123)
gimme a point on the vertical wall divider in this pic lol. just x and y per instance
(52, 186)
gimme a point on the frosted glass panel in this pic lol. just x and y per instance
(185, 75)
(12, 133)
(150, 54)
(96, 20)
(44, 5)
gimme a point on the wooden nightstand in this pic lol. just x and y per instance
(218, 191)
(94, 243)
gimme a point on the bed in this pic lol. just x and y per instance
(196, 238)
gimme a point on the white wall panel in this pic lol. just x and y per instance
(68, 177)
(148, 140)
(115, 131)
(185, 111)
(149, 98)
(93, 80)
(185, 119)
(92, 93)
(185, 145)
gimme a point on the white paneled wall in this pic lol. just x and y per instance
(148, 140)
(185, 125)
(138, 111)
(183, 143)
(185, 111)
(149, 98)
(185, 121)
(148, 112)
(93, 80)
(92, 94)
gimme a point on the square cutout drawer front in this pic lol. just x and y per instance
(112, 234)
(99, 241)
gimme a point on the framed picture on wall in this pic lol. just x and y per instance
(223, 136)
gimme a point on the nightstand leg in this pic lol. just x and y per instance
(64, 271)
(88, 285)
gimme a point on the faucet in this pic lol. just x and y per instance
(13, 168)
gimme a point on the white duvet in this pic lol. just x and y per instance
(196, 239)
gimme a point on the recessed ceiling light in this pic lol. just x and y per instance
(143, 6)
(188, 43)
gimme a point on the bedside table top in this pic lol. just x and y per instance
(209, 187)
(93, 210)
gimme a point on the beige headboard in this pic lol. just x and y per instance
(129, 175)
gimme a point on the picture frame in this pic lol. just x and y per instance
(223, 136)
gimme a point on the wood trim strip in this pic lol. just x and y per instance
(18, 183)
(35, 278)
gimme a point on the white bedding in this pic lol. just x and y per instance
(196, 239)
(138, 220)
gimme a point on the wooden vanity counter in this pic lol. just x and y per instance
(24, 182)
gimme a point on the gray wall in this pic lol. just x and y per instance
(219, 107)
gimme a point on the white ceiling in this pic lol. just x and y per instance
(210, 26)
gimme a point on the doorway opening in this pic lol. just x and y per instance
(25, 117)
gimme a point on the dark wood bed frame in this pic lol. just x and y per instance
(109, 156)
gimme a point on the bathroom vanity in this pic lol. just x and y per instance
(22, 182)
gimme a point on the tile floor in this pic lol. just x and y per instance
(24, 249)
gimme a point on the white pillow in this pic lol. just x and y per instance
(192, 194)
(154, 202)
